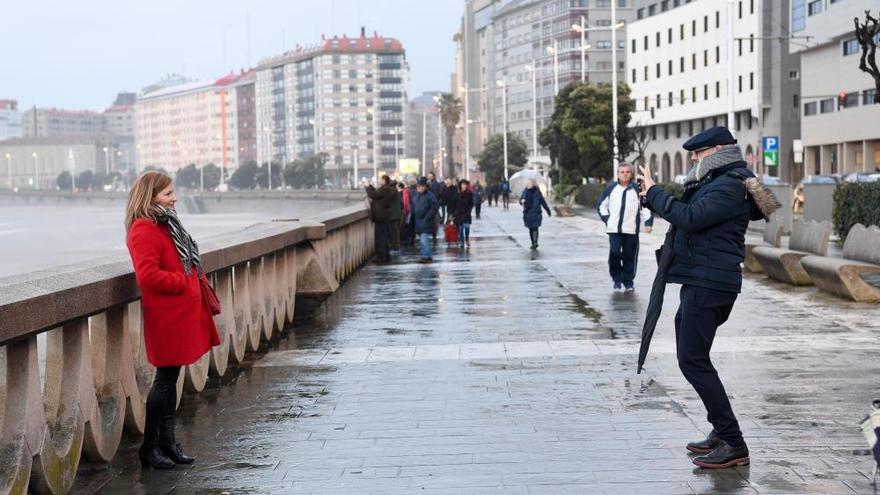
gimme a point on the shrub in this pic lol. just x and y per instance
(855, 203)
(588, 194)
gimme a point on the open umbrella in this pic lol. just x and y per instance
(655, 303)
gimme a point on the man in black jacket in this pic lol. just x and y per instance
(381, 212)
(720, 197)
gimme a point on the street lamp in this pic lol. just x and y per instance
(107, 160)
(9, 168)
(36, 170)
(533, 70)
(555, 51)
(582, 28)
(501, 84)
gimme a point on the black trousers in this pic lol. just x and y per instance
(700, 314)
(533, 235)
(161, 402)
(382, 232)
(477, 208)
(394, 230)
(623, 257)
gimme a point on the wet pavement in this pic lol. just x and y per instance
(498, 370)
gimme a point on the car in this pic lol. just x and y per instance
(861, 177)
(819, 179)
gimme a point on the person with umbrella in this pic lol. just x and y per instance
(703, 252)
(532, 201)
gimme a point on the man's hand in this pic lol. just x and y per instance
(648, 229)
(645, 180)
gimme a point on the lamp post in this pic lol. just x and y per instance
(555, 51)
(72, 170)
(9, 168)
(582, 28)
(107, 160)
(36, 170)
(501, 84)
(533, 70)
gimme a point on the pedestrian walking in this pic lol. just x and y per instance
(424, 207)
(463, 203)
(504, 188)
(380, 212)
(621, 209)
(479, 195)
(532, 201)
(178, 324)
(437, 188)
(708, 226)
(406, 231)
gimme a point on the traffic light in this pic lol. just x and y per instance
(841, 100)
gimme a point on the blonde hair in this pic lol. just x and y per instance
(140, 199)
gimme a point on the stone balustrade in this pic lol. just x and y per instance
(71, 394)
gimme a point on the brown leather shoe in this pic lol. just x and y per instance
(724, 456)
(705, 446)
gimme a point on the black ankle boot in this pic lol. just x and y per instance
(705, 446)
(151, 456)
(168, 445)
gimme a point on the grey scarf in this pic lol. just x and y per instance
(187, 249)
(726, 155)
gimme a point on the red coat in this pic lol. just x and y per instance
(178, 326)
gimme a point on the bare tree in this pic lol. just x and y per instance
(867, 35)
(641, 138)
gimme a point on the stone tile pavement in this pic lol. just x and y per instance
(498, 370)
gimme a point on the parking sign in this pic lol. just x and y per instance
(771, 143)
(771, 151)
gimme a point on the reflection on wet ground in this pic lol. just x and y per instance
(498, 370)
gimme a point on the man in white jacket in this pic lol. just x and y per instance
(622, 211)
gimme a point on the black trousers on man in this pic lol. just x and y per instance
(623, 257)
(394, 234)
(700, 314)
(382, 232)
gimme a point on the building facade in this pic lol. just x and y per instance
(677, 67)
(246, 111)
(839, 116)
(190, 123)
(43, 122)
(10, 120)
(345, 97)
(536, 39)
(423, 131)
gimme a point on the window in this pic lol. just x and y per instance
(640, 13)
(717, 54)
(752, 6)
(646, 42)
(705, 91)
(705, 24)
(851, 99)
(740, 9)
(646, 73)
(851, 47)
(657, 39)
(751, 81)
(827, 105)
(681, 96)
(681, 65)
(634, 76)
(717, 19)
(740, 79)
(681, 31)
(705, 58)
(670, 98)
(794, 75)
(633, 46)
(658, 101)
(694, 27)
(670, 67)
(717, 89)
(694, 61)
(814, 7)
(740, 47)
(798, 15)
(796, 100)
(694, 94)
(658, 70)
(669, 36)
(621, 3)
(604, 44)
(868, 96)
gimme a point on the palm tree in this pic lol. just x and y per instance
(450, 114)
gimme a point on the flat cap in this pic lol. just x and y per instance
(423, 181)
(716, 136)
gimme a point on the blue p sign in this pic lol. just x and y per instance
(771, 143)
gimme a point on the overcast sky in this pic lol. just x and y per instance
(79, 54)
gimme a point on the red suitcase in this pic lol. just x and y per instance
(451, 232)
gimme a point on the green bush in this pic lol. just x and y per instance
(588, 194)
(561, 192)
(855, 203)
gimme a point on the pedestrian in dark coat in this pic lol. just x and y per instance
(395, 217)
(381, 204)
(720, 197)
(450, 191)
(424, 207)
(479, 195)
(532, 201)
(463, 203)
(178, 325)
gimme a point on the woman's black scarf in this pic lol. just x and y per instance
(187, 249)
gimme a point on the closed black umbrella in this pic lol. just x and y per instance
(655, 303)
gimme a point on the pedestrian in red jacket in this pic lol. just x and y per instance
(178, 325)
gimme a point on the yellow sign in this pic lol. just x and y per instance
(409, 166)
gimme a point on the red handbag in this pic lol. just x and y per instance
(209, 296)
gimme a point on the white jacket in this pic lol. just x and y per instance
(620, 209)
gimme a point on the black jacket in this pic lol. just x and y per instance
(532, 201)
(382, 202)
(424, 208)
(396, 207)
(462, 204)
(448, 195)
(710, 222)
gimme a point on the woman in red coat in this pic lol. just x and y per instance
(178, 324)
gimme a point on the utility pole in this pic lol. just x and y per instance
(614, 28)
